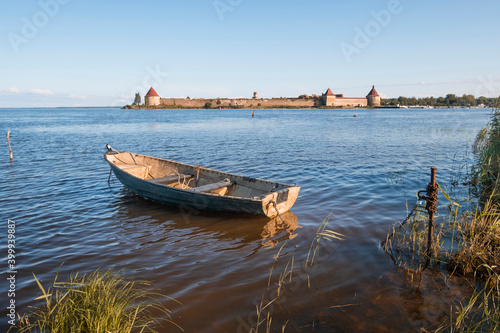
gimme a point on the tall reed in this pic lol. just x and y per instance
(479, 313)
(285, 279)
(486, 172)
(407, 244)
(478, 242)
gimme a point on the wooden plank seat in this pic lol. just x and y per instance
(212, 187)
(170, 179)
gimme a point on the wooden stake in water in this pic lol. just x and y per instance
(431, 212)
(8, 141)
(252, 113)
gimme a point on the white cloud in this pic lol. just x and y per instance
(41, 92)
(12, 90)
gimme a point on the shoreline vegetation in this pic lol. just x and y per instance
(450, 101)
(466, 242)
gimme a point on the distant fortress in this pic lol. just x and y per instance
(328, 99)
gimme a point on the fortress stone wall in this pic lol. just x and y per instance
(239, 102)
(329, 99)
(348, 101)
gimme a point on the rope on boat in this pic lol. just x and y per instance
(276, 208)
(109, 177)
(184, 184)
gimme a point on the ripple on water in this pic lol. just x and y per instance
(364, 169)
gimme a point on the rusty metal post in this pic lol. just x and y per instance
(431, 208)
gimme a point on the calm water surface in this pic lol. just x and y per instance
(362, 169)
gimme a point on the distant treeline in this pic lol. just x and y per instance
(450, 100)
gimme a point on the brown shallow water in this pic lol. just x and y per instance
(362, 169)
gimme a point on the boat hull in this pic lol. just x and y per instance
(270, 204)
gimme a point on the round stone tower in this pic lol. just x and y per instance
(373, 98)
(152, 98)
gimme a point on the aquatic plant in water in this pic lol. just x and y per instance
(285, 279)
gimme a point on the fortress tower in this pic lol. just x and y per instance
(152, 98)
(373, 98)
(329, 98)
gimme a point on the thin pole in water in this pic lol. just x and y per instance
(431, 207)
(10, 150)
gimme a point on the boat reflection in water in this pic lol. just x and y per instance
(159, 223)
(280, 229)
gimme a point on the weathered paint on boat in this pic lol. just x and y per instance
(178, 184)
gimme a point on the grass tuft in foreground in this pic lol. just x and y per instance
(98, 302)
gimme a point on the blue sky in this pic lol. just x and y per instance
(99, 53)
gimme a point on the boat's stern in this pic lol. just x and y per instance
(280, 202)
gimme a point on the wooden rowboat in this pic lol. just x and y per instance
(179, 184)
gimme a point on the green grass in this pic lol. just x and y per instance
(478, 230)
(98, 302)
(477, 258)
(478, 237)
(485, 174)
